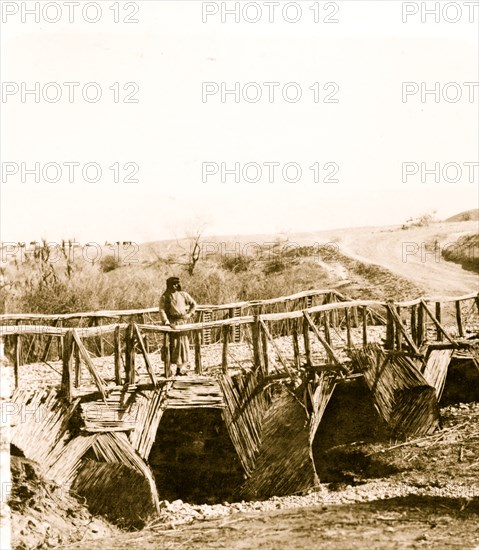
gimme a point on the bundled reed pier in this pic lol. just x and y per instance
(40, 423)
(284, 464)
(406, 402)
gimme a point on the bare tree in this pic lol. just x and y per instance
(191, 245)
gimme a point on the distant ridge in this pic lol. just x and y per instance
(467, 215)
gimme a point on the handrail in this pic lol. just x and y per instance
(251, 303)
(9, 330)
(128, 312)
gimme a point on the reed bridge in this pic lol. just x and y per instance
(272, 386)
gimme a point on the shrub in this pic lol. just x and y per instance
(109, 263)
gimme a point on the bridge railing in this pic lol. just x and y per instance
(319, 337)
(31, 348)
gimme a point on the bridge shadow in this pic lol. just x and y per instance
(349, 419)
(193, 458)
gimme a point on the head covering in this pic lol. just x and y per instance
(172, 281)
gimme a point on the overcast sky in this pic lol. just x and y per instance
(172, 130)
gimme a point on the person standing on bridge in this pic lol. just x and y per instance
(177, 308)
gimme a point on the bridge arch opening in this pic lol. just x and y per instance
(462, 383)
(193, 458)
(350, 417)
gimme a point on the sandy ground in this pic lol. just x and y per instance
(404, 252)
(392, 524)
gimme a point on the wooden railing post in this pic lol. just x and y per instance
(255, 330)
(67, 372)
(99, 338)
(307, 343)
(398, 331)
(130, 353)
(297, 354)
(18, 356)
(77, 365)
(349, 339)
(460, 326)
(327, 333)
(414, 324)
(334, 313)
(390, 328)
(198, 362)
(355, 317)
(421, 325)
(166, 355)
(224, 356)
(264, 345)
(365, 325)
(60, 341)
(117, 351)
(145, 336)
(438, 317)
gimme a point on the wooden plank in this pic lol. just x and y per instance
(187, 393)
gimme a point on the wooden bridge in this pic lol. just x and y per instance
(269, 368)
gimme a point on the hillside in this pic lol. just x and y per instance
(467, 215)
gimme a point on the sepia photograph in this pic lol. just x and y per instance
(239, 274)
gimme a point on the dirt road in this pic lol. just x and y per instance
(404, 252)
(411, 522)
